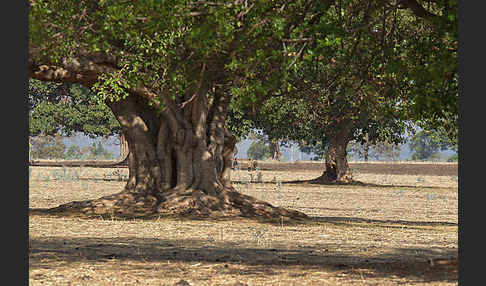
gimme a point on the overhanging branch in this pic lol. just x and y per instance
(417, 9)
(83, 69)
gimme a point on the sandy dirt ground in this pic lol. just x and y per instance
(395, 168)
(392, 229)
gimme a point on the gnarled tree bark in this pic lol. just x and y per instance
(180, 160)
(124, 152)
(275, 149)
(337, 167)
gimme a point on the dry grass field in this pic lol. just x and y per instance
(393, 229)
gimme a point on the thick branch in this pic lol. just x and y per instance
(141, 145)
(83, 69)
(417, 9)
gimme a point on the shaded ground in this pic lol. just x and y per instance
(150, 260)
(394, 230)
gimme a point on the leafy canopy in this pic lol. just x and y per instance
(370, 62)
(375, 65)
(258, 150)
(426, 143)
(164, 45)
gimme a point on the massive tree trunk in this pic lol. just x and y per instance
(366, 151)
(180, 151)
(275, 148)
(337, 168)
(179, 164)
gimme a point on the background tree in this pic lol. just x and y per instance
(275, 150)
(378, 151)
(263, 147)
(65, 109)
(454, 146)
(97, 152)
(432, 67)
(386, 151)
(331, 117)
(258, 150)
(74, 153)
(453, 158)
(47, 147)
(426, 144)
(358, 79)
(317, 149)
(362, 150)
(278, 120)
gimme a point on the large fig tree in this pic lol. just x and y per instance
(168, 71)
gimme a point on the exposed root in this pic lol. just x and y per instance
(326, 179)
(193, 203)
(121, 204)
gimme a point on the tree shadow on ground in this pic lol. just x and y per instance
(355, 183)
(341, 221)
(386, 223)
(431, 265)
(341, 184)
(293, 182)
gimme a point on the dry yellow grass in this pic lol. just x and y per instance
(393, 230)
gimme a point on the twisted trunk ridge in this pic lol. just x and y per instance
(337, 167)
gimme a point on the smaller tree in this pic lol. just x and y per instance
(453, 158)
(361, 150)
(56, 108)
(73, 153)
(426, 144)
(259, 150)
(378, 151)
(386, 151)
(47, 147)
(97, 151)
(318, 150)
(275, 150)
(454, 147)
(86, 153)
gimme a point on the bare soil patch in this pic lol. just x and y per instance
(396, 229)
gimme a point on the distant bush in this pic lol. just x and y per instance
(258, 151)
(426, 146)
(98, 152)
(47, 147)
(53, 147)
(74, 153)
(453, 158)
(93, 152)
